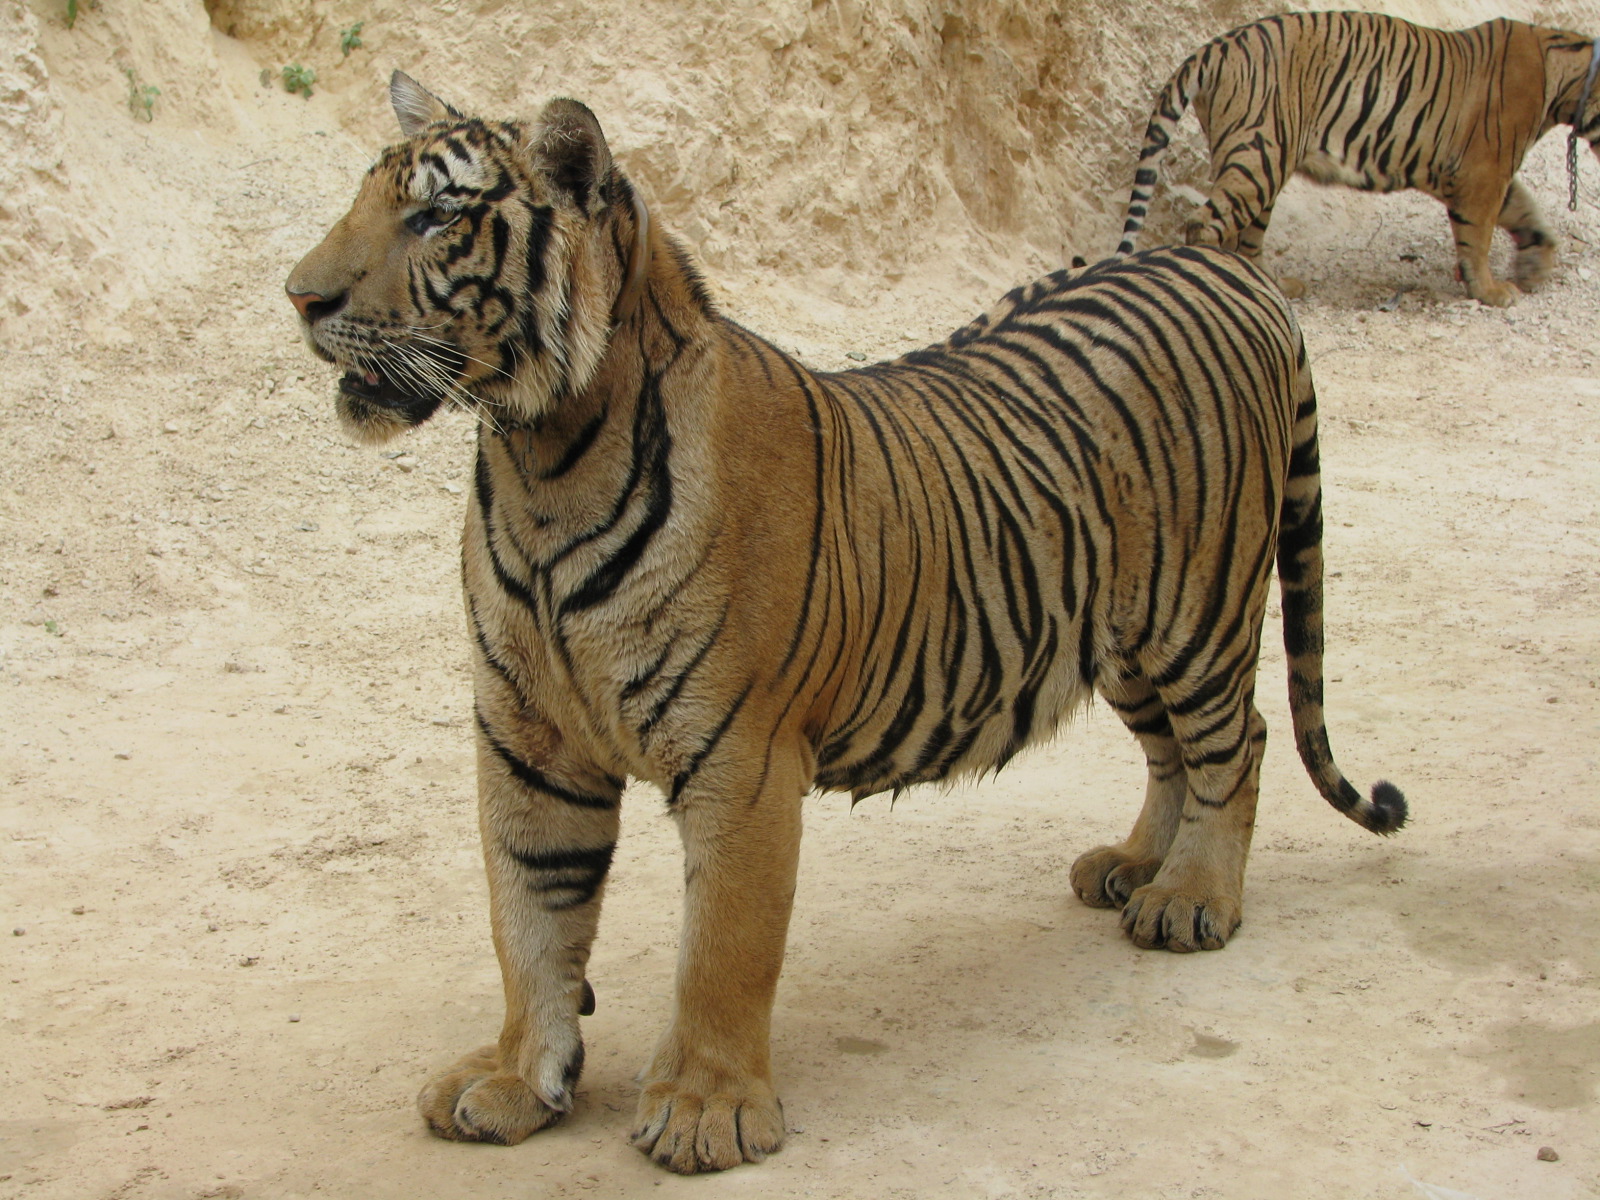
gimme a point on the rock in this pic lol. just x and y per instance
(1547, 1154)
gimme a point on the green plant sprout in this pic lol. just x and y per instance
(299, 79)
(350, 39)
(141, 97)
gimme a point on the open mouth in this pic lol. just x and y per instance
(370, 385)
(368, 389)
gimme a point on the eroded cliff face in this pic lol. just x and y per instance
(837, 145)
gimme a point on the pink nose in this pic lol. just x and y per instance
(303, 302)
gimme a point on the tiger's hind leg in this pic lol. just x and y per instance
(1196, 900)
(1250, 246)
(1536, 245)
(1246, 181)
(1107, 876)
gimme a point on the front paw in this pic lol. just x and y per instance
(477, 1101)
(1497, 293)
(1106, 876)
(1534, 264)
(689, 1129)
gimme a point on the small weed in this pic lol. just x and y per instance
(350, 39)
(299, 79)
(52, 628)
(141, 96)
(74, 7)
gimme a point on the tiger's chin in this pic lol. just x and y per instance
(373, 410)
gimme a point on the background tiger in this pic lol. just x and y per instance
(1381, 104)
(691, 560)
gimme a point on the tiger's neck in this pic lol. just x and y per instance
(1567, 66)
(598, 445)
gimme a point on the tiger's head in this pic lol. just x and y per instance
(483, 264)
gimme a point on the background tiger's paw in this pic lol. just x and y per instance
(475, 1102)
(1107, 876)
(1497, 293)
(1201, 231)
(1534, 264)
(1164, 917)
(689, 1132)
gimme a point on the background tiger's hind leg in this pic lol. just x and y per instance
(1195, 901)
(1245, 185)
(1536, 245)
(1250, 246)
(1107, 875)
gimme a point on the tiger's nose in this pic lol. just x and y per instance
(314, 305)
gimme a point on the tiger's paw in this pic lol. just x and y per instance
(1497, 293)
(690, 1129)
(1201, 230)
(1179, 920)
(475, 1101)
(1292, 286)
(1534, 264)
(1107, 876)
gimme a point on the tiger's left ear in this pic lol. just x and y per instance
(416, 106)
(567, 144)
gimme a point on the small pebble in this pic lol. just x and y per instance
(77, 910)
(855, 354)
(211, 927)
(1548, 1154)
(19, 931)
(124, 755)
(170, 427)
(406, 463)
(294, 1018)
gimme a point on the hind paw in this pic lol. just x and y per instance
(1173, 919)
(1107, 876)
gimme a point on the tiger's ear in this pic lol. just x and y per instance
(567, 145)
(416, 106)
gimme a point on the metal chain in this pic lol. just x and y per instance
(1572, 171)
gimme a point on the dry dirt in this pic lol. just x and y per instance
(238, 851)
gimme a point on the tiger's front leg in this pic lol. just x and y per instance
(549, 830)
(708, 1101)
(1474, 211)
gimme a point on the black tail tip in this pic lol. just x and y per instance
(1389, 809)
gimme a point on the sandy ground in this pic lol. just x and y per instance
(244, 914)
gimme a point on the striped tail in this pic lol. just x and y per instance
(1300, 582)
(1170, 107)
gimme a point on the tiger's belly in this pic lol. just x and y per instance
(1322, 167)
(937, 725)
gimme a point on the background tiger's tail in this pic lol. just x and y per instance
(1171, 104)
(1300, 583)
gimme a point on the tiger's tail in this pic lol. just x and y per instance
(1171, 104)
(1300, 584)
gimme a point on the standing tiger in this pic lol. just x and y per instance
(1381, 104)
(691, 560)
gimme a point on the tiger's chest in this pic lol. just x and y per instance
(600, 622)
